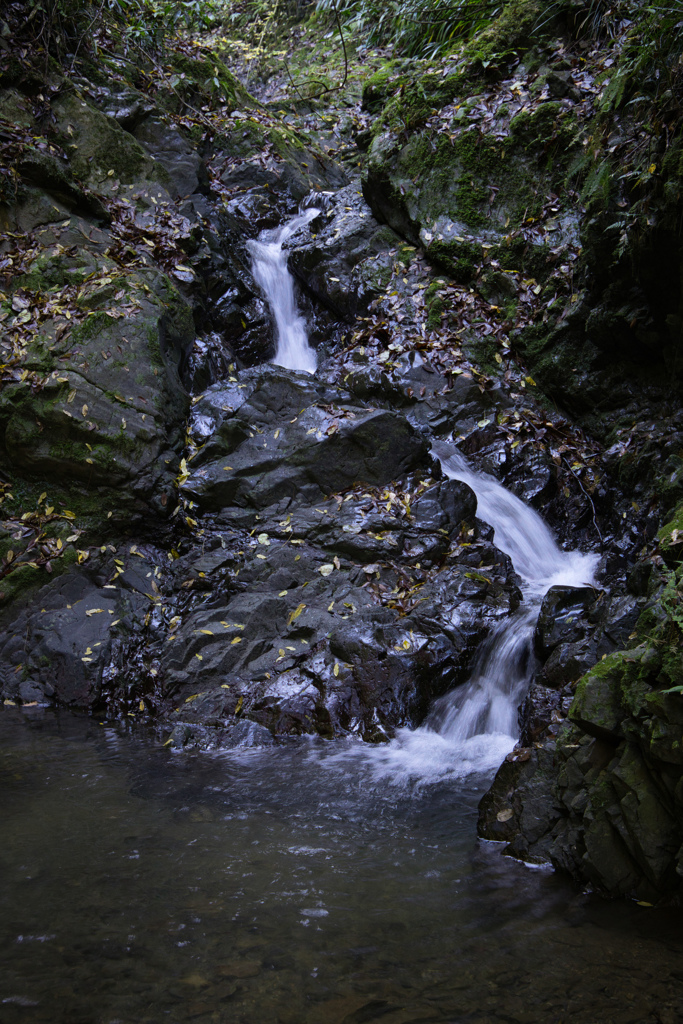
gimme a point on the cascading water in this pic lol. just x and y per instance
(269, 267)
(473, 727)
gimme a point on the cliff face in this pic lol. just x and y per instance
(497, 262)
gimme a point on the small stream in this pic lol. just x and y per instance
(287, 885)
(313, 882)
(269, 266)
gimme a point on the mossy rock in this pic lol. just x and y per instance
(378, 88)
(97, 144)
(670, 536)
(104, 407)
(515, 30)
(201, 79)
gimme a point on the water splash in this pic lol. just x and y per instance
(472, 728)
(269, 267)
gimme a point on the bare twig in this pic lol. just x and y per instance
(87, 32)
(329, 88)
(595, 524)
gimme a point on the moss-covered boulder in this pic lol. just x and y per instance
(99, 402)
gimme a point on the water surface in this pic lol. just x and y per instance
(294, 884)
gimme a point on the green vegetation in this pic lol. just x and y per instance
(68, 26)
(424, 28)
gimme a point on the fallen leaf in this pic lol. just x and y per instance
(295, 614)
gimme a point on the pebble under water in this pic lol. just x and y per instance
(289, 885)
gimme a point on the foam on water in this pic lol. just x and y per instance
(269, 267)
(471, 729)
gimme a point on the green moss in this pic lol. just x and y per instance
(536, 127)
(406, 254)
(380, 86)
(460, 259)
(435, 305)
(507, 37)
(667, 535)
(90, 328)
(101, 145)
(205, 76)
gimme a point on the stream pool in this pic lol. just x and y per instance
(289, 885)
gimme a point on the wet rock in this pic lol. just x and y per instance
(519, 808)
(345, 260)
(59, 645)
(111, 409)
(613, 806)
(557, 620)
(271, 162)
(282, 436)
(168, 148)
(341, 605)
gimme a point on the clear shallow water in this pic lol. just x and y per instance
(288, 885)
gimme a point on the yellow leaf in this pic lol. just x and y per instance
(336, 668)
(191, 697)
(94, 611)
(9, 557)
(199, 656)
(326, 569)
(42, 497)
(295, 614)
(84, 410)
(238, 707)
(225, 686)
(209, 632)
(68, 515)
(283, 593)
(236, 640)
(59, 544)
(142, 705)
(49, 509)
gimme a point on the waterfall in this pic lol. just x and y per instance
(269, 267)
(474, 726)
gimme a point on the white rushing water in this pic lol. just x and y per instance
(269, 267)
(472, 728)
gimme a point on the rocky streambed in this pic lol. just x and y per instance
(235, 553)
